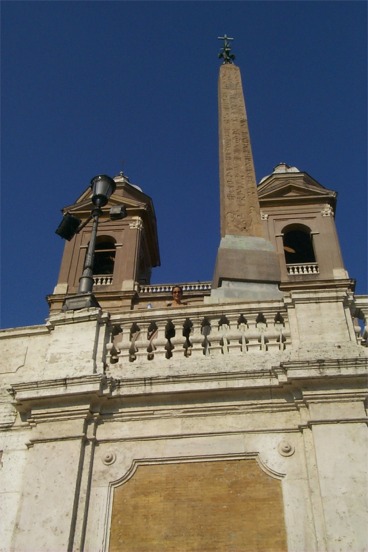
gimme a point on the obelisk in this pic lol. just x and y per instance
(247, 266)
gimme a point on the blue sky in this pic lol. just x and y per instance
(96, 87)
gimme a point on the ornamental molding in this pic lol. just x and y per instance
(109, 458)
(34, 391)
(286, 449)
(136, 223)
(327, 211)
(183, 459)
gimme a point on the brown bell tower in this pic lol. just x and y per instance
(298, 215)
(126, 249)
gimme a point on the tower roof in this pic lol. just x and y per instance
(290, 185)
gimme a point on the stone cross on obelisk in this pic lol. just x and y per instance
(247, 266)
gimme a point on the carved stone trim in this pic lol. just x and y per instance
(175, 460)
(286, 449)
(327, 211)
(136, 223)
(109, 458)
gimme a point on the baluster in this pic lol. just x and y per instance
(261, 324)
(187, 330)
(242, 327)
(205, 331)
(169, 334)
(135, 332)
(151, 335)
(196, 338)
(364, 340)
(224, 326)
(113, 347)
(279, 325)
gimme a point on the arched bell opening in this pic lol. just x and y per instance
(299, 252)
(104, 260)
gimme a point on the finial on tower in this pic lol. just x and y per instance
(225, 52)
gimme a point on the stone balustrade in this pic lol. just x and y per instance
(302, 269)
(359, 312)
(102, 280)
(184, 333)
(166, 288)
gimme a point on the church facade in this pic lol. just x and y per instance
(233, 422)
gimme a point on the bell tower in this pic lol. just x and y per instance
(125, 253)
(298, 215)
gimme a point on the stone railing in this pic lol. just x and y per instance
(106, 280)
(359, 312)
(166, 288)
(102, 280)
(177, 335)
(302, 269)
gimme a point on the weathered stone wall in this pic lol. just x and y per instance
(86, 408)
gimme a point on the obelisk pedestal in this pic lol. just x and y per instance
(247, 266)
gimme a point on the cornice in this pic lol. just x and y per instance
(25, 393)
(308, 376)
(24, 331)
(83, 315)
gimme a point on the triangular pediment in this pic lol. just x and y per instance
(126, 194)
(295, 186)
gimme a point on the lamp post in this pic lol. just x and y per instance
(102, 187)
